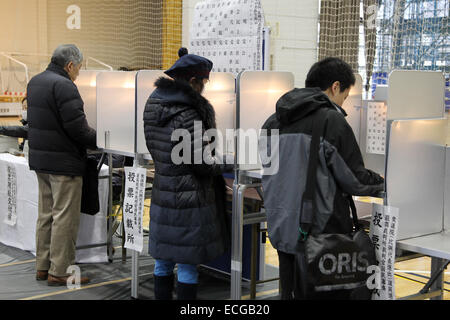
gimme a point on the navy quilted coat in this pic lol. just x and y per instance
(187, 213)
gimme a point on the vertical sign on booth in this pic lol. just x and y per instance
(133, 207)
(11, 216)
(383, 232)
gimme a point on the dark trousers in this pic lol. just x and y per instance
(287, 276)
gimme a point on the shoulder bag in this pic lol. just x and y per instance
(330, 263)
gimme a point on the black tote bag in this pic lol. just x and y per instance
(89, 197)
(330, 265)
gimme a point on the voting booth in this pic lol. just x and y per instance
(256, 95)
(416, 155)
(417, 170)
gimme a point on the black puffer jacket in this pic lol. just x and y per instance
(187, 217)
(58, 131)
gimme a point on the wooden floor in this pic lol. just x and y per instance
(410, 275)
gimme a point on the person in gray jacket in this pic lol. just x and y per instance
(340, 174)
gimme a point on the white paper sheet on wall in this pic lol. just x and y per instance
(376, 128)
(229, 33)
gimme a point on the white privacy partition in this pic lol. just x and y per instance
(415, 94)
(145, 80)
(414, 177)
(257, 94)
(447, 191)
(352, 105)
(116, 111)
(220, 92)
(87, 86)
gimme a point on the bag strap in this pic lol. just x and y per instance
(308, 203)
(354, 213)
(309, 207)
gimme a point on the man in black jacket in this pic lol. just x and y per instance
(340, 173)
(187, 213)
(58, 137)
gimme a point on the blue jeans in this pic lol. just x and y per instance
(187, 273)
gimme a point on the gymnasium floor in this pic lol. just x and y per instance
(111, 281)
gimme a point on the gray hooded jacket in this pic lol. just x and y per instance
(340, 171)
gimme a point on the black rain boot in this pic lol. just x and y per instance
(186, 291)
(163, 287)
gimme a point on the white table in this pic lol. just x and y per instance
(22, 233)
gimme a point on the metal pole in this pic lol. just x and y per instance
(110, 206)
(109, 221)
(236, 246)
(253, 261)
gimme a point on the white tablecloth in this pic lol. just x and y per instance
(21, 234)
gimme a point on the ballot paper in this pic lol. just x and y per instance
(229, 33)
(383, 232)
(376, 127)
(133, 207)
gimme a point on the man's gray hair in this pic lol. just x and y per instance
(65, 53)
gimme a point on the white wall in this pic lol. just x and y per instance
(293, 39)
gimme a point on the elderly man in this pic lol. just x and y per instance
(58, 137)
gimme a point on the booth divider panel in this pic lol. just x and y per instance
(259, 91)
(116, 110)
(145, 80)
(354, 100)
(220, 92)
(415, 95)
(415, 179)
(87, 86)
(447, 190)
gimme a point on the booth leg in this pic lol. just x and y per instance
(437, 273)
(236, 242)
(134, 274)
(124, 250)
(110, 221)
(255, 233)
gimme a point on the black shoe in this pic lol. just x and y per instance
(163, 287)
(186, 291)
